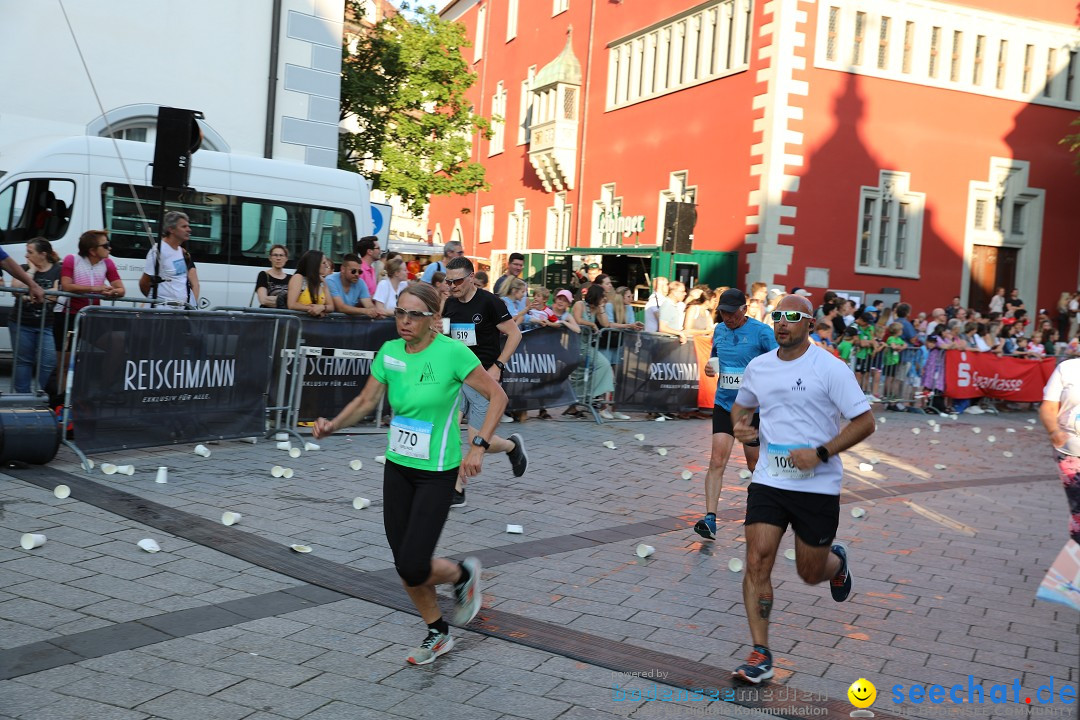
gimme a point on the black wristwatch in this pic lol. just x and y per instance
(481, 442)
(822, 453)
(499, 364)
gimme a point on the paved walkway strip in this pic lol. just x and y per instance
(332, 581)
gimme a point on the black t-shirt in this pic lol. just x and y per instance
(273, 285)
(476, 323)
(48, 280)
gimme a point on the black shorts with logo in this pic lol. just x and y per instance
(813, 516)
(721, 423)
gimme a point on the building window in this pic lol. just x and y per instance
(517, 234)
(890, 227)
(980, 47)
(525, 107)
(559, 6)
(1051, 63)
(860, 37)
(883, 44)
(704, 44)
(957, 50)
(1070, 76)
(935, 51)
(487, 223)
(834, 23)
(498, 120)
(511, 20)
(1029, 56)
(557, 236)
(1003, 59)
(478, 43)
(909, 41)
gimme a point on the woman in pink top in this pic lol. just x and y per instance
(91, 272)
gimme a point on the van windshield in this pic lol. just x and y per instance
(38, 207)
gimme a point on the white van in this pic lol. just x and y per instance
(238, 207)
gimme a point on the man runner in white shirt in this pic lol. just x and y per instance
(801, 392)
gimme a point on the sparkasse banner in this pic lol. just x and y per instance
(975, 374)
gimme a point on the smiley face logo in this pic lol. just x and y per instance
(862, 693)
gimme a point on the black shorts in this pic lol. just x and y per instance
(862, 365)
(889, 371)
(813, 516)
(721, 423)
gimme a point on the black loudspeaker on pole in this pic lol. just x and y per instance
(178, 136)
(679, 221)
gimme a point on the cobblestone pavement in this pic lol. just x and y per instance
(946, 562)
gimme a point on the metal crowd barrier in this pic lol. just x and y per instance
(47, 326)
(294, 360)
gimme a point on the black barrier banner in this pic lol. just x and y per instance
(538, 373)
(337, 361)
(658, 374)
(146, 378)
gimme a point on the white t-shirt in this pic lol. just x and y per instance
(1064, 387)
(801, 402)
(652, 313)
(386, 294)
(173, 268)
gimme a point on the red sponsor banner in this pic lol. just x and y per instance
(975, 374)
(706, 385)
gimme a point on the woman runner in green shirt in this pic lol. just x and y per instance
(423, 372)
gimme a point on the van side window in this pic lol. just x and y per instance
(133, 225)
(39, 207)
(225, 229)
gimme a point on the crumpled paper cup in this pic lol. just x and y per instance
(149, 545)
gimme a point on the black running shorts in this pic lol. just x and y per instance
(721, 423)
(813, 516)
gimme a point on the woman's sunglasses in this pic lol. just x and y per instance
(401, 313)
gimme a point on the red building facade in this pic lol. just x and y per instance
(839, 144)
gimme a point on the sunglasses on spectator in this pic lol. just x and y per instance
(457, 282)
(791, 316)
(354, 272)
(401, 313)
(106, 245)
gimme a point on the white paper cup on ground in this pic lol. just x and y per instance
(300, 548)
(915, 431)
(284, 445)
(312, 447)
(249, 440)
(976, 430)
(162, 475)
(1012, 430)
(1007, 454)
(356, 464)
(149, 545)
(126, 469)
(644, 551)
(61, 491)
(939, 466)
(991, 438)
(360, 503)
(381, 459)
(609, 444)
(281, 436)
(661, 451)
(287, 473)
(1031, 421)
(294, 452)
(108, 468)
(866, 467)
(686, 474)
(790, 553)
(934, 442)
(640, 437)
(735, 565)
(858, 512)
(29, 541)
(745, 474)
(90, 463)
(881, 420)
(230, 518)
(937, 428)
(515, 529)
(202, 451)
(277, 471)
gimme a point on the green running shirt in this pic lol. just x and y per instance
(424, 390)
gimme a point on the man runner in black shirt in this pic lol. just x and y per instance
(477, 317)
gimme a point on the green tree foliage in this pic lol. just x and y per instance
(405, 86)
(1073, 143)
